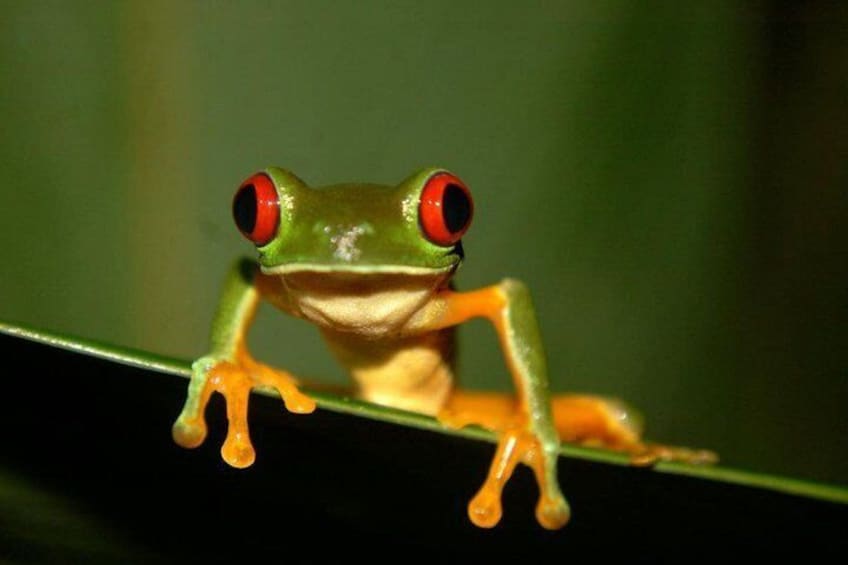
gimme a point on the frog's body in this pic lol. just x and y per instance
(368, 321)
(371, 267)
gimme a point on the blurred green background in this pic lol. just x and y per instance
(670, 182)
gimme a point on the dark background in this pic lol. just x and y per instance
(87, 477)
(670, 182)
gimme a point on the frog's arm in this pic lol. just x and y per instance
(236, 310)
(229, 369)
(529, 436)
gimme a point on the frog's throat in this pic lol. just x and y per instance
(287, 268)
(361, 300)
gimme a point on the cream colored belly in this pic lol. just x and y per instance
(413, 373)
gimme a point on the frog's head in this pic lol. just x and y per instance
(412, 228)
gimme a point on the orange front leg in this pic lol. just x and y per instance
(527, 433)
(230, 370)
(531, 424)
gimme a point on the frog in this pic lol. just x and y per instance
(372, 266)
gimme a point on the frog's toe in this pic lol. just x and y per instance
(189, 433)
(552, 512)
(651, 453)
(485, 510)
(238, 452)
(703, 457)
(296, 402)
(286, 385)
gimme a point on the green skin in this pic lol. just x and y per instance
(388, 240)
(392, 241)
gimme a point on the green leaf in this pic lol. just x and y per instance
(352, 406)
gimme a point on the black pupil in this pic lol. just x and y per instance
(456, 208)
(244, 208)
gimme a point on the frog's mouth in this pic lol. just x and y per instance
(365, 300)
(332, 269)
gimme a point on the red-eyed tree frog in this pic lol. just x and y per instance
(371, 266)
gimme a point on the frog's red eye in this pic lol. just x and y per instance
(445, 209)
(256, 209)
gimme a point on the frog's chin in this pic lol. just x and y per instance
(369, 302)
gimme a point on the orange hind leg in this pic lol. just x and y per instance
(580, 419)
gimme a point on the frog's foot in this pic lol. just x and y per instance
(520, 445)
(234, 380)
(517, 444)
(646, 454)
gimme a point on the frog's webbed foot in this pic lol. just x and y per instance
(234, 379)
(646, 454)
(519, 445)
